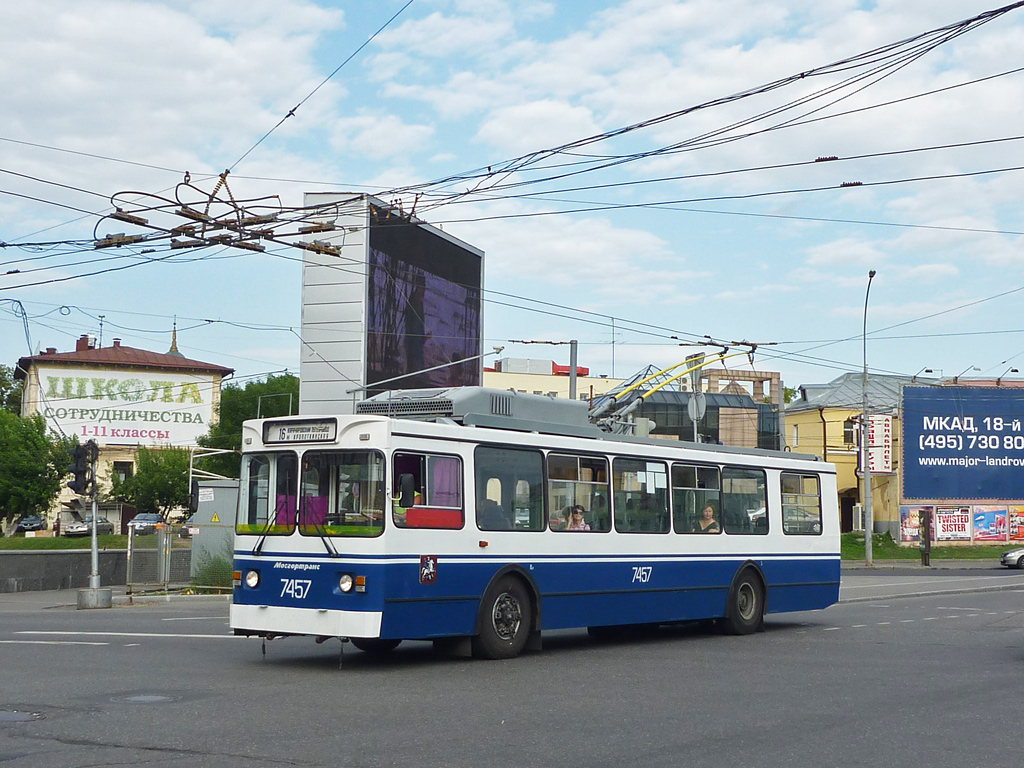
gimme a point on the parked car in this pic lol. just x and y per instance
(1014, 558)
(31, 523)
(145, 523)
(84, 527)
(188, 528)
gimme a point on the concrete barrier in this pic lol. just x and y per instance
(59, 569)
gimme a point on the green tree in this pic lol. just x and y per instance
(10, 391)
(160, 481)
(274, 396)
(33, 461)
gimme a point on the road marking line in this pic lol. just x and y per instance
(883, 623)
(830, 629)
(930, 618)
(50, 642)
(952, 617)
(130, 634)
(858, 626)
(907, 621)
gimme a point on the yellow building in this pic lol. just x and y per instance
(825, 422)
(544, 377)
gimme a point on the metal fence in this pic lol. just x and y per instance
(158, 561)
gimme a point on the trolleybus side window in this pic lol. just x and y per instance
(509, 489)
(269, 488)
(640, 495)
(694, 488)
(801, 504)
(342, 493)
(744, 501)
(578, 481)
(427, 491)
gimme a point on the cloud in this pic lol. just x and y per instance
(379, 135)
(845, 252)
(544, 123)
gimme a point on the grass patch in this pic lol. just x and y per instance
(22, 544)
(884, 548)
(104, 541)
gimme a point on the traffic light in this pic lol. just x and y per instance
(79, 469)
(83, 460)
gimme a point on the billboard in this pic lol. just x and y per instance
(422, 307)
(384, 295)
(879, 445)
(114, 407)
(963, 443)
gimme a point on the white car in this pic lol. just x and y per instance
(1013, 559)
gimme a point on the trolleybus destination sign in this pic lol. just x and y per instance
(320, 430)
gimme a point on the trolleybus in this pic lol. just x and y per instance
(480, 518)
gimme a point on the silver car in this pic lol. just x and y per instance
(84, 527)
(1013, 559)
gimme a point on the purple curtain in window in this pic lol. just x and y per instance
(285, 510)
(444, 482)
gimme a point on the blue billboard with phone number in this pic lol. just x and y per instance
(963, 443)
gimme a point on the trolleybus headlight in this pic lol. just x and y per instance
(345, 582)
(252, 579)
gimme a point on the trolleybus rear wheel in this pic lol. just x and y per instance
(746, 604)
(506, 620)
(375, 645)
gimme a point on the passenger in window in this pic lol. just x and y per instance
(707, 522)
(558, 519)
(576, 521)
(493, 517)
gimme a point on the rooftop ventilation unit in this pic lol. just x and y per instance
(484, 407)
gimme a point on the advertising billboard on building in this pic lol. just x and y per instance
(118, 407)
(963, 443)
(385, 295)
(422, 307)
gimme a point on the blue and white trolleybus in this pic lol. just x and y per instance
(479, 518)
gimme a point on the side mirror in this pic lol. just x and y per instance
(193, 497)
(407, 490)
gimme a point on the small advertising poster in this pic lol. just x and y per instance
(953, 524)
(989, 523)
(910, 523)
(1016, 516)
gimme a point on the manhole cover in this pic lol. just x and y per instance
(9, 716)
(146, 698)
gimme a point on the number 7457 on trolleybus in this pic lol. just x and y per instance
(479, 518)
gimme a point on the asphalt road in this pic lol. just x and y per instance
(915, 666)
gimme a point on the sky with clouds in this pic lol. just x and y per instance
(708, 218)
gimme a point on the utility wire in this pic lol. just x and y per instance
(291, 112)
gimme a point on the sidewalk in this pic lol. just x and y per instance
(914, 566)
(68, 599)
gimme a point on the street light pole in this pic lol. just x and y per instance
(865, 428)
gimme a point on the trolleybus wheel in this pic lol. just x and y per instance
(746, 604)
(377, 646)
(506, 621)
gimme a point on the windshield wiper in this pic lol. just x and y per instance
(321, 529)
(271, 522)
